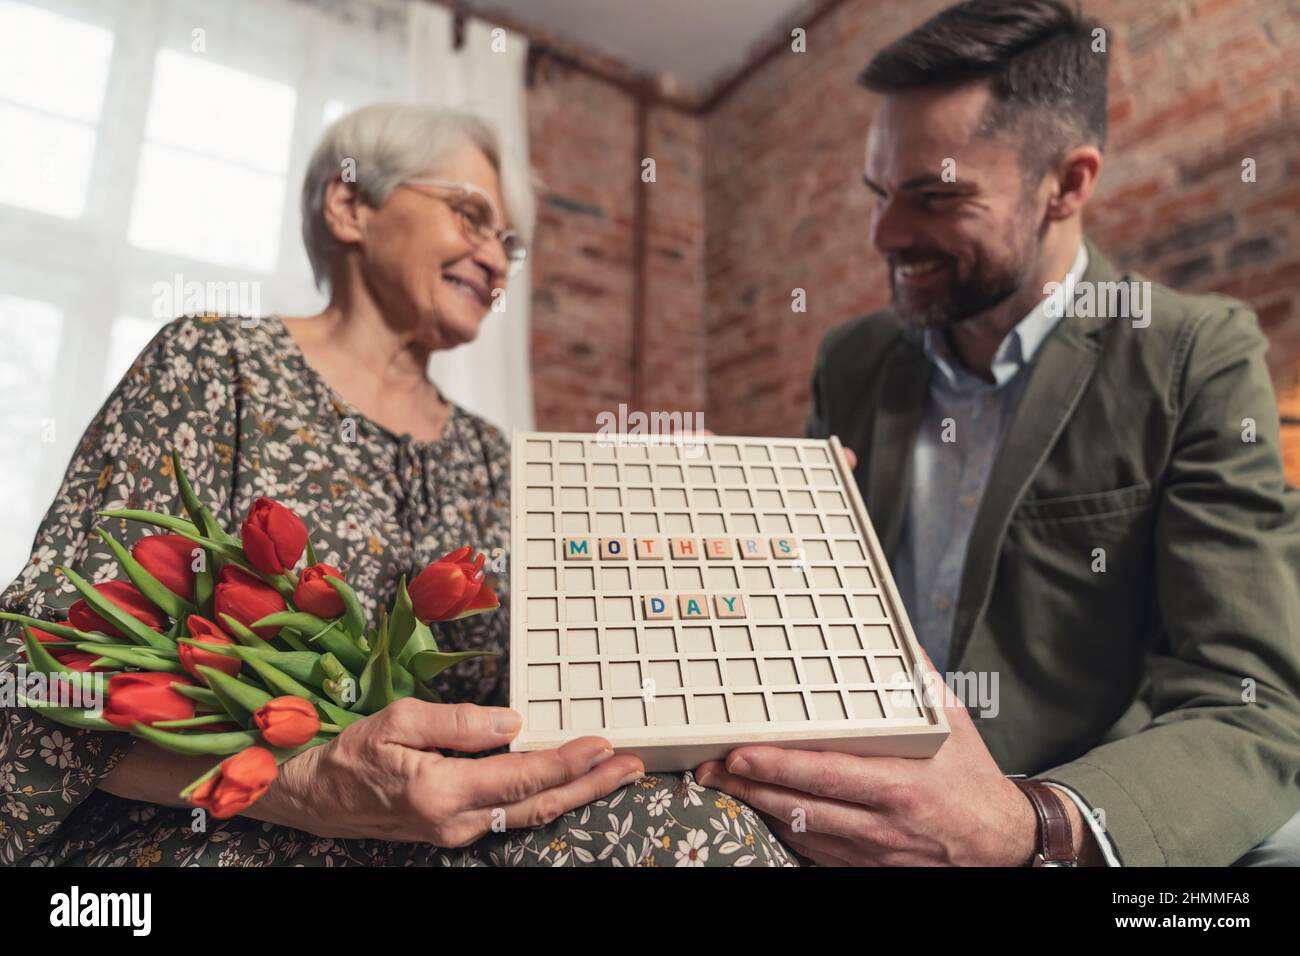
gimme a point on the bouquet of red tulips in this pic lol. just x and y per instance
(213, 645)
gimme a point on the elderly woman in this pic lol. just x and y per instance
(334, 415)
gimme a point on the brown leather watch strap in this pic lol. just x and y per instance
(1055, 836)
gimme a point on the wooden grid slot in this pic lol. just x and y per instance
(682, 598)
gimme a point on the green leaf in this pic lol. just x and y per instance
(322, 633)
(172, 604)
(177, 526)
(421, 640)
(135, 657)
(238, 698)
(42, 661)
(302, 621)
(403, 681)
(70, 717)
(62, 630)
(275, 679)
(205, 588)
(188, 497)
(229, 551)
(402, 621)
(354, 618)
(427, 665)
(282, 754)
(137, 650)
(197, 744)
(214, 530)
(203, 720)
(337, 681)
(302, 666)
(334, 714)
(135, 629)
(377, 678)
(311, 552)
(292, 640)
(281, 683)
(473, 613)
(200, 695)
(186, 529)
(243, 634)
(203, 518)
(185, 794)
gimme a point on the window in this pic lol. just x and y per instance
(129, 337)
(30, 330)
(229, 131)
(53, 73)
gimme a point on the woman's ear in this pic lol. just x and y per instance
(342, 211)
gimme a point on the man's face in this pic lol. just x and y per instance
(951, 216)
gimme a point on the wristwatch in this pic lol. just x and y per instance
(1054, 845)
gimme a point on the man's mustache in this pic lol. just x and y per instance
(896, 259)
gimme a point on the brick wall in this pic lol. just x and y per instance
(1196, 87)
(584, 136)
(762, 196)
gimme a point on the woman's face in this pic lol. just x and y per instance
(418, 262)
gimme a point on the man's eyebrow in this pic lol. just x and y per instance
(920, 182)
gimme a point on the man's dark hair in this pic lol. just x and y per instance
(1038, 56)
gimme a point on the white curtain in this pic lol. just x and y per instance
(150, 141)
(491, 375)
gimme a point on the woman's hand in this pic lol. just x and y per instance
(383, 778)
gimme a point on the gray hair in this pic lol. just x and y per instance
(385, 143)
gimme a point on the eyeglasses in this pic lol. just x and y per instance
(478, 218)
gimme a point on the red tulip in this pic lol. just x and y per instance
(246, 599)
(452, 587)
(238, 783)
(146, 698)
(191, 657)
(69, 657)
(287, 721)
(273, 537)
(314, 595)
(85, 663)
(125, 596)
(169, 558)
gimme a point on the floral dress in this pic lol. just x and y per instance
(251, 418)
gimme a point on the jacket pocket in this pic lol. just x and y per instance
(1098, 504)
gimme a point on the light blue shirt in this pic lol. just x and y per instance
(964, 424)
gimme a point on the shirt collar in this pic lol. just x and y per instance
(1018, 348)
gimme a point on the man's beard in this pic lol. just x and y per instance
(987, 287)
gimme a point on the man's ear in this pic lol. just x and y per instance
(342, 211)
(1074, 180)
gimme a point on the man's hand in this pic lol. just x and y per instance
(955, 808)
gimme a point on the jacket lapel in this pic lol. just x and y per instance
(1061, 370)
(893, 435)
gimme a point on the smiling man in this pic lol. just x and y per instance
(1083, 495)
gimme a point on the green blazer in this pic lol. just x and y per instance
(1166, 689)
